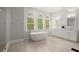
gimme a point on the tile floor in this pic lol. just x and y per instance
(51, 44)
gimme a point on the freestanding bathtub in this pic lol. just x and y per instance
(36, 36)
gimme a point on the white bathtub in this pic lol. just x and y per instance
(36, 36)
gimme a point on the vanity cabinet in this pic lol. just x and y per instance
(72, 27)
(2, 25)
(70, 31)
(73, 35)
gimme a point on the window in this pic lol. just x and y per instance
(30, 22)
(40, 22)
(47, 22)
(56, 22)
(31, 26)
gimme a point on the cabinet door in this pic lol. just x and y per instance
(72, 35)
(2, 26)
(60, 33)
(17, 23)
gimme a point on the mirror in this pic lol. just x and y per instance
(71, 20)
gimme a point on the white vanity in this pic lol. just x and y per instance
(70, 31)
(72, 27)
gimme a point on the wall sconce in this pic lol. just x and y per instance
(57, 18)
(71, 15)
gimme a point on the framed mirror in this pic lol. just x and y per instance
(71, 20)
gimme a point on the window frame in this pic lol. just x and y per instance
(47, 19)
(40, 23)
(28, 15)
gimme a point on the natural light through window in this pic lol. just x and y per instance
(30, 22)
(36, 24)
(47, 22)
(40, 22)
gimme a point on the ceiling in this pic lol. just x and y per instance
(55, 9)
(49, 9)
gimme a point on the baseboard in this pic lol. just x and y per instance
(64, 39)
(57, 37)
(5, 49)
